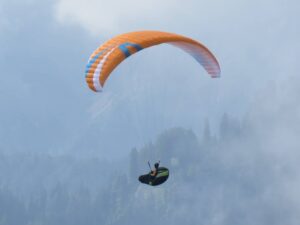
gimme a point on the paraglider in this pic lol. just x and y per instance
(109, 55)
(155, 177)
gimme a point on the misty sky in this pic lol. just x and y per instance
(46, 105)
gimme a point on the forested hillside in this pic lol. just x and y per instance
(214, 179)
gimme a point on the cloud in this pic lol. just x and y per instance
(111, 16)
(99, 17)
(246, 37)
(191, 16)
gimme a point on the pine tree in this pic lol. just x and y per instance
(206, 133)
(133, 164)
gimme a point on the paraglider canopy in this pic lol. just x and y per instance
(110, 54)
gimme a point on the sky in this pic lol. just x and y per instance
(47, 107)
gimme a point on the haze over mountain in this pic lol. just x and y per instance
(46, 105)
(71, 156)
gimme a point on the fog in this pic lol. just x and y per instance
(71, 156)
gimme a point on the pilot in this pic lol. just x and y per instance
(154, 172)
